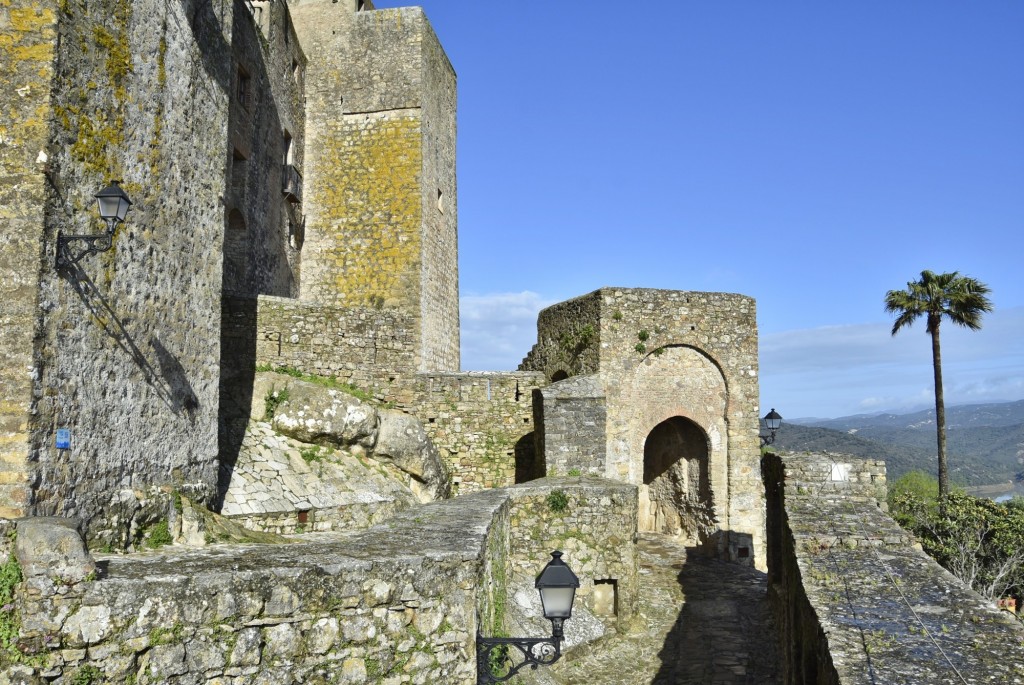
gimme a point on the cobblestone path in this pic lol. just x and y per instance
(701, 622)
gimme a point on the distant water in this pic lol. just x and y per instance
(999, 493)
(1008, 495)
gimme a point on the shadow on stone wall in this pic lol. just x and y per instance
(169, 381)
(206, 27)
(237, 375)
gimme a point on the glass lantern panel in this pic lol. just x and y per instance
(122, 208)
(557, 601)
(111, 207)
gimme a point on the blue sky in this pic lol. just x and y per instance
(811, 155)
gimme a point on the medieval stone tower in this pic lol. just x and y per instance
(300, 152)
(292, 168)
(380, 141)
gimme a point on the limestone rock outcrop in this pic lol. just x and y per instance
(281, 485)
(402, 441)
(321, 415)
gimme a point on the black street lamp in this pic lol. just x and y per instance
(113, 204)
(557, 587)
(772, 421)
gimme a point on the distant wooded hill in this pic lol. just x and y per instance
(985, 442)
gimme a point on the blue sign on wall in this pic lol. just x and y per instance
(63, 438)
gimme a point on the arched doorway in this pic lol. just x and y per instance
(676, 496)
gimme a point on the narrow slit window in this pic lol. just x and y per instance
(289, 149)
(243, 87)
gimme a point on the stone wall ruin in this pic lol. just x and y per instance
(660, 391)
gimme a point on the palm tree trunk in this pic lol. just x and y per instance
(940, 415)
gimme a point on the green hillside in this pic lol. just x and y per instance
(978, 453)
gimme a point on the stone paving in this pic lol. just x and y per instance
(701, 621)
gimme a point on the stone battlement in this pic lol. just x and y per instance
(856, 599)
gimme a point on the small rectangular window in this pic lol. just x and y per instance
(289, 152)
(242, 87)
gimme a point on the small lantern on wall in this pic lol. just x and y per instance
(113, 204)
(772, 421)
(495, 656)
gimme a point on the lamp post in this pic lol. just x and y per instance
(772, 421)
(557, 586)
(113, 204)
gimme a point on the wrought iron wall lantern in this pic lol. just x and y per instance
(113, 206)
(772, 421)
(498, 659)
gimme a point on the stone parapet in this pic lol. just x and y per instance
(396, 603)
(593, 521)
(856, 599)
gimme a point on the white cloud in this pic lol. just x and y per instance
(839, 370)
(499, 329)
(829, 371)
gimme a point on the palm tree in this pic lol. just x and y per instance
(960, 299)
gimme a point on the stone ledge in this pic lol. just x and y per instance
(857, 602)
(421, 584)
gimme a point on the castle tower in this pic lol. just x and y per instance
(380, 207)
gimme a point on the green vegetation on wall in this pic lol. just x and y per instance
(10, 620)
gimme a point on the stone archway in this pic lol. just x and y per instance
(676, 495)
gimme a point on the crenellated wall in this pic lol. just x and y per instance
(855, 598)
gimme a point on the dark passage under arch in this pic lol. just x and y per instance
(676, 498)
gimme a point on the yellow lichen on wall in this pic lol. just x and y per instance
(95, 120)
(28, 19)
(373, 206)
(27, 39)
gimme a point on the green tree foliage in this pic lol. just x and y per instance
(979, 541)
(960, 299)
(923, 487)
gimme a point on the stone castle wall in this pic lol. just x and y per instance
(656, 355)
(855, 598)
(439, 300)
(124, 351)
(606, 565)
(127, 355)
(392, 603)
(266, 128)
(482, 423)
(570, 408)
(28, 30)
(362, 346)
(380, 147)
